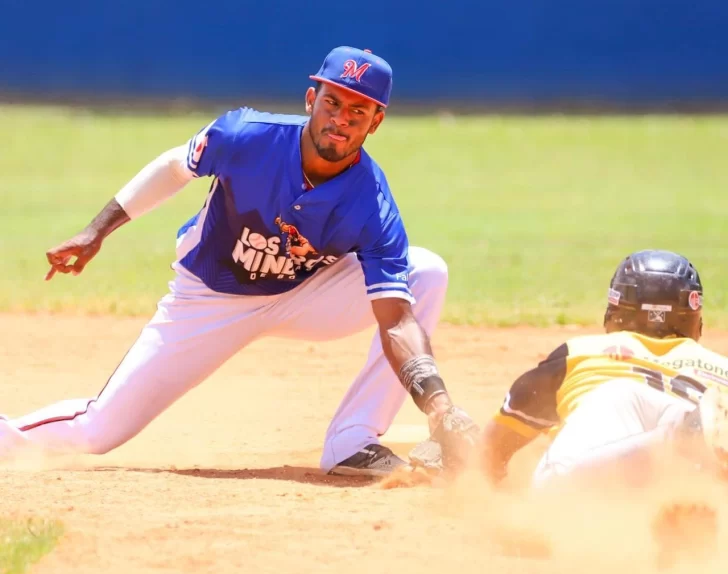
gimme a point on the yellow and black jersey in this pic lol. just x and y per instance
(540, 399)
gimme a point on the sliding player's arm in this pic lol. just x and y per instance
(528, 410)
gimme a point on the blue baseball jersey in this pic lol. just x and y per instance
(263, 231)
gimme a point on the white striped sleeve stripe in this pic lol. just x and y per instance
(190, 144)
(193, 163)
(387, 285)
(523, 416)
(191, 166)
(399, 289)
(394, 294)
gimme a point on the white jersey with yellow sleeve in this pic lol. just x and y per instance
(542, 398)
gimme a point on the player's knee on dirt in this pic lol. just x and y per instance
(95, 442)
(100, 434)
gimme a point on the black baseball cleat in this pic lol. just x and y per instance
(372, 460)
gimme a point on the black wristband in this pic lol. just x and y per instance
(424, 391)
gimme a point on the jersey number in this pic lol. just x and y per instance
(680, 384)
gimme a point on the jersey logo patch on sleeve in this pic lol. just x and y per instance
(197, 148)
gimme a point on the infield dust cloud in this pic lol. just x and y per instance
(674, 524)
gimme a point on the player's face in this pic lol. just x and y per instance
(340, 121)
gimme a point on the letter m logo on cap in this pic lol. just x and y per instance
(351, 70)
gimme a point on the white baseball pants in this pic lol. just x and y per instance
(618, 422)
(195, 330)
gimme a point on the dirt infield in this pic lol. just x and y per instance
(227, 479)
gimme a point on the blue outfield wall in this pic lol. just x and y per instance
(632, 51)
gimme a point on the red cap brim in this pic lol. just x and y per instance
(353, 91)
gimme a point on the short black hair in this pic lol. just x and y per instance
(380, 108)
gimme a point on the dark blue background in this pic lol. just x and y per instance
(464, 50)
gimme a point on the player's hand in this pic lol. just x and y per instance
(83, 247)
(436, 409)
(458, 435)
(454, 438)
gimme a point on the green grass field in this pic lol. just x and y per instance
(531, 213)
(24, 543)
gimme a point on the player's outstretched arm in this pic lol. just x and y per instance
(84, 246)
(408, 350)
(155, 183)
(529, 409)
(499, 444)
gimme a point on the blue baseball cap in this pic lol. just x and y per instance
(358, 71)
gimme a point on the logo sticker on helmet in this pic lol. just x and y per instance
(613, 296)
(695, 300)
(649, 307)
(656, 316)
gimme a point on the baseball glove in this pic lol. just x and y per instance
(450, 446)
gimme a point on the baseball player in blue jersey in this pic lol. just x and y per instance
(298, 237)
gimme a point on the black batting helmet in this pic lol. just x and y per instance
(656, 293)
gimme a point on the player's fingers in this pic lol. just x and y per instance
(59, 264)
(83, 259)
(79, 265)
(63, 268)
(61, 254)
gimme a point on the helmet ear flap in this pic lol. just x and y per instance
(607, 324)
(616, 319)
